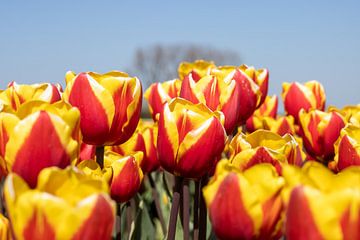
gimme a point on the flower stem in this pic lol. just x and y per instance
(155, 195)
(203, 210)
(118, 222)
(100, 156)
(196, 209)
(174, 208)
(186, 209)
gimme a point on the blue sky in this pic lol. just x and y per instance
(41, 40)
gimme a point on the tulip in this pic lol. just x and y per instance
(319, 131)
(39, 135)
(267, 109)
(351, 113)
(66, 204)
(309, 96)
(123, 174)
(281, 125)
(160, 93)
(190, 138)
(245, 205)
(197, 69)
(260, 77)
(321, 204)
(347, 148)
(249, 92)
(87, 152)
(17, 94)
(218, 94)
(264, 147)
(4, 228)
(110, 105)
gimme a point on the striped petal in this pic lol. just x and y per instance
(198, 69)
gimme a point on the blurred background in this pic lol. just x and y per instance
(317, 40)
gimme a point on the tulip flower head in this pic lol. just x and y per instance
(66, 204)
(110, 105)
(297, 96)
(190, 138)
(196, 69)
(319, 131)
(160, 93)
(39, 135)
(245, 205)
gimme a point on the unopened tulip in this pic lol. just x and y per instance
(110, 105)
(319, 131)
(267, 109)
(245, 205)
(350, 112)
(281, 125)
(39, 135)
(160, 93)
(297, 96)
(347, 148)
(66, 204)
(249, 92)
(17, 94)
(144, 140)
(197, 69)
(124, 175)
(260, 77)
(190, 138)
(218, 94)
(264, 146)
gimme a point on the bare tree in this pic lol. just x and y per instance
(159, 63)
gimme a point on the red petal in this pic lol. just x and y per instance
(38, 228)
(348, 155)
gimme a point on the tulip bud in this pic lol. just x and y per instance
(197, 69)
(264, 147)
(160, 93)
(110, 105)
(123, 174)
(217, 94)
(66, 204)
(39, 135)
(296, 96)
(347, 148)
(245, 205)
(260, 77)
(319, 131)
(267, 109)
(190, 138)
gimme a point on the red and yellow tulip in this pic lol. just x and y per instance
(196, 69)
(160, 93)
(245, 205)
(297, 96)
(267, 109)
(264, 146)
(110, 105)
(319, 131)
(190, 138)
(350, 112)
(347, 148)
(66, 204)
(218, 94)
(39, 135)
(320, 204)
(17, 94)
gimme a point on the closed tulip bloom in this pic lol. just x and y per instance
(249, 92)
(218, 94)
(197, 69)
(245, 205)
(110, 105)
(190, 138)
(66, 204)
(160, 93)
(350, 112)
(260, 77)
(347, 148)
(264, 147)
(39, 135)
(267, 109)
(124, 175)
(319, 131)
(4, 228)
(297, 96)
(17, 94)
(281, 125)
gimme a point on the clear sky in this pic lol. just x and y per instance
(41, 40)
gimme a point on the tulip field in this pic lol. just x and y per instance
(214, 161)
